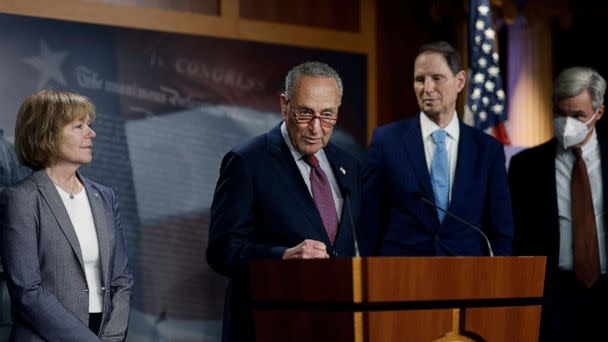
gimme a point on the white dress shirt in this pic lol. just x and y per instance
(81, 216)
(564, 162)
(305, 170)
(427, 127)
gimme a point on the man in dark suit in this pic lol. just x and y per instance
(559, 202)
(434, 157)
(286, 194)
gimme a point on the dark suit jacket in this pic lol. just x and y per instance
(260, 208)
(396, 222)
(43, 263)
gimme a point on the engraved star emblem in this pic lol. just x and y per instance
(48, 64)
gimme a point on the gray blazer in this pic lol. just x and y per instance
(43, 263)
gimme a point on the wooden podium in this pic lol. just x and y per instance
(383, 299)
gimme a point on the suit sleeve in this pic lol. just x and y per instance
(121, 284)
(31, 302)
(499, 211)
(231, 230)
(373, 208)
(519, 196)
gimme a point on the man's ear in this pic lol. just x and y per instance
(600, 112)
(284, 102)
(461, 79)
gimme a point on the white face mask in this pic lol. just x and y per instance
(570, 131)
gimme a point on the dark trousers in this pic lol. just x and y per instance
(572, 312)
(95, 322)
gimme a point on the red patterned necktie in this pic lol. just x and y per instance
(321, 194)
(584, 232)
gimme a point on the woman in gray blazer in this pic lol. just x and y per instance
(61, 238)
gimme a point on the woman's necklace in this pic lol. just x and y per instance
(74, 187)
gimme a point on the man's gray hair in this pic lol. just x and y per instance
(311, 69)
(573, 81)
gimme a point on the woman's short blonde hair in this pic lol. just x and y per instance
(40, 120)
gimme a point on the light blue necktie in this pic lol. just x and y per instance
(440, 173)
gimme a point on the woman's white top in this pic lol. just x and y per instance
(79, 211)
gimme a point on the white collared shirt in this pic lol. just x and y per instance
(427, 127)
(564, 162)
(305, 170)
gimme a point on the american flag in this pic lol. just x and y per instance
(486, 101)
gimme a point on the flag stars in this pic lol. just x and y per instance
(486, 100)
(489, 33)
(476, 93)
(483, 116)
(479, 78)
(483, 10)
(497, 109)
(486, 47)
(500, 94)
(490, 86)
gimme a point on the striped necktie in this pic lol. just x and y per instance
(321, 194)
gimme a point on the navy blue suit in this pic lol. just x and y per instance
(260, 208)
(397, 222)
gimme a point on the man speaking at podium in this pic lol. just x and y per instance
(431, 184)
(286, 194)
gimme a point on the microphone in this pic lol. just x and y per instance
(420, 196)
(346, 194)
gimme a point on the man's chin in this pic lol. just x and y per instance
(309, 149)
(430, 112)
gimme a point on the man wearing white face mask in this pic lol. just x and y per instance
(559, 201)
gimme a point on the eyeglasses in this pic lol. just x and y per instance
(306, 116)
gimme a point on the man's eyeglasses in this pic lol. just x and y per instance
(306, 116)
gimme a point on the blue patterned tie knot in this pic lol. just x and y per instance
(440, 173)
(439, 136)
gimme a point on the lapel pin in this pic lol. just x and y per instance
(96, 194)
(342, 170)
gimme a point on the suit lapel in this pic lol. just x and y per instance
(101, 227)
(341, 174)
(549, 187)
(412, 140)
(346, 180)
(50, 195)
(290, 176)
(465, 164)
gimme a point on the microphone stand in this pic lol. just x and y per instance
(468, 224)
